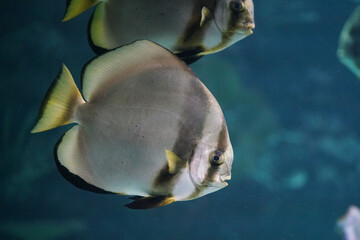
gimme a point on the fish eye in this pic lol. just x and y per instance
(237, 6)
(216, 158)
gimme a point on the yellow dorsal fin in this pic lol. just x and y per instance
(205, 16)
(175, 162)
(76, 7)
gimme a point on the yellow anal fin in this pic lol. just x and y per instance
(59, 104)
(205, 16)
(175, 162)
(150, 202)
(76, 7)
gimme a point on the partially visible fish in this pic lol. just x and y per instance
(189, 28)
(146, 126)
(350, 224)
(349, 43)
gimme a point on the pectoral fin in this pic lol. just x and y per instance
(175, 162)
(150, 202)
(205, 16)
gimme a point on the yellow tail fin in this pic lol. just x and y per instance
(76, 7)
(60, 103)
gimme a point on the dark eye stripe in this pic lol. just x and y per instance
(222, 138)
(193, 35)
(190, 131)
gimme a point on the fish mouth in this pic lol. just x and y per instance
(224, 179)
(219, 183)
(248, 27)
(244, 29)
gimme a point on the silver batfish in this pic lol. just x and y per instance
(349, 43)
(145, 126)
(189, 28)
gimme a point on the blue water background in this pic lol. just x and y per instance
(293, 113)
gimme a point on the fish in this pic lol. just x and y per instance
(349, 224)
(348, 51)
(145, 126)
(189, 28)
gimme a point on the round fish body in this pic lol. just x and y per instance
(149, 128)
(136, 120)
(189, 28)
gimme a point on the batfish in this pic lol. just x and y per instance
(189, 28)
(145, 125)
